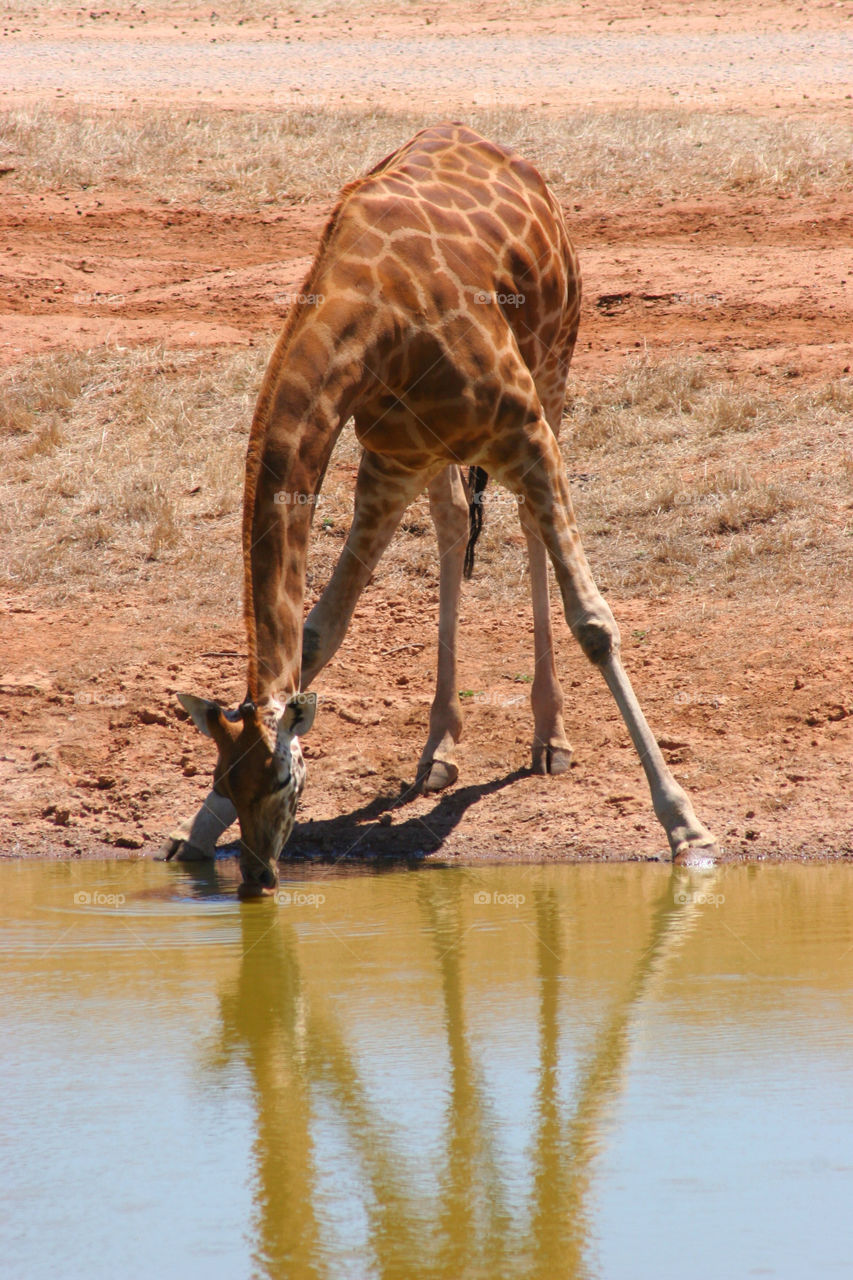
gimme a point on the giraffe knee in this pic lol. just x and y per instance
(598, 638)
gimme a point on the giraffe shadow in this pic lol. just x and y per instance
(374, 833)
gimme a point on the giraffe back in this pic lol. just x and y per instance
(455, 257)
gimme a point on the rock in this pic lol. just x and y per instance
(152, 717)
(25, 682)
(127, 842)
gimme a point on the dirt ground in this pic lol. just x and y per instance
(751, 696)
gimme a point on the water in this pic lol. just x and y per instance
(501, 1072)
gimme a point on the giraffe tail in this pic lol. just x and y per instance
(477, 481)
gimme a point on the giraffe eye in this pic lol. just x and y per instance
(279, 786)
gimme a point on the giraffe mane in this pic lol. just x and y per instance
(260, 424)
(260, 420)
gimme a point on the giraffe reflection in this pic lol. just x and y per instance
(294, 1051)
(263, 1021)
(473, 1221)
(340, 1184)
(566, 1147)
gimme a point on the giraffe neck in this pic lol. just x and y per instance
(304, 401)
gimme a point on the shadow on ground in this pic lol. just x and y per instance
(382, 831)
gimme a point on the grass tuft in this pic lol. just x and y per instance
(127, 465)
(250, 159)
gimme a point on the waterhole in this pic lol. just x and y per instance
(500, 1072)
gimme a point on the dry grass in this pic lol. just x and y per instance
(698, 479)
(119, 459)
(125, 466)
(251, 159)
(684, 480)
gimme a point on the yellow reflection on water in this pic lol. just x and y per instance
(436, 1061)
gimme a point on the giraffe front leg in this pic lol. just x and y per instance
(552, 752)
(382, 493)
(196, 839)
(536, 472)
(448, 506)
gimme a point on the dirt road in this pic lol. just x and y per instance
(760, 70)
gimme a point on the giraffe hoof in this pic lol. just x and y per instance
(177, 849)
(553, 760)
(251, 891)
(192, 853)
(699, 853)
(437, 775)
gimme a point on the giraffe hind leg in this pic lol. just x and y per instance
(533, 469)
(552, 751)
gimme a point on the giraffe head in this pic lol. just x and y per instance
(261, 770)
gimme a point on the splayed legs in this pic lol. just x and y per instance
(382, 494)
(535, 472)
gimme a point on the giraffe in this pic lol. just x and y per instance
(440, 313)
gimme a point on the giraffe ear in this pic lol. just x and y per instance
(298, 716)
(201, 711)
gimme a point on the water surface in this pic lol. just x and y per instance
(563, 1071)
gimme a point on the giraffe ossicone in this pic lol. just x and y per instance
(441, 313)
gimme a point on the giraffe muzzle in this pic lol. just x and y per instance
(260, 879)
